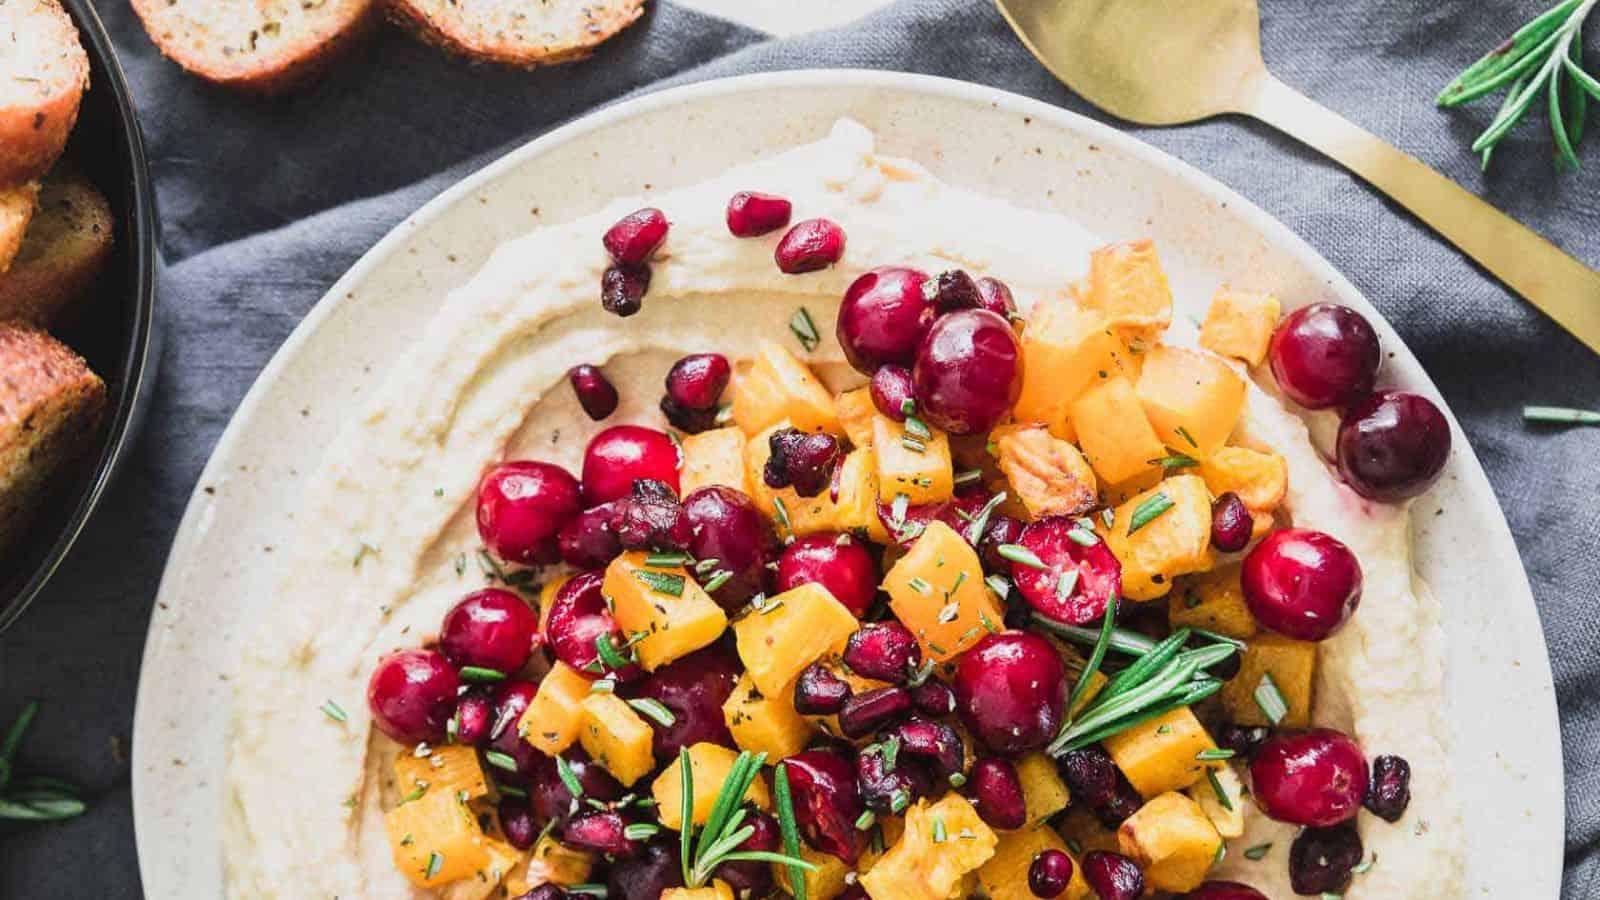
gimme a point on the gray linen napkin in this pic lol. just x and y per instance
(265, 204)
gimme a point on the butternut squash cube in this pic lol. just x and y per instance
(717, 890)
(1065, 349)
(616, 737)
(924, 475)
(435, 839)
(1047, 474)
(450, 770)
(791, 632)
(666, 604)
(1159, 754)
(1005, 875)
(503, 860)
(1120, 492)
(1127, 284)
(825, 883)
(856, 411)
(1083, 832)
(1116, 437)
(855, 511)
(890, 828)
(1240, 324)
(710, 765)
(1213, 601)
(777, 387)
(1260, 479)
(1044, 793)
(937, 590)
(550, 862)
(550, 723)
(765, 723)
(547, 598)
(800, 515)
(713, 457)
(1293, 667)
(1221, 798)
(942, 842)
(1175, 542)
(1192, 399)
(1172, 840)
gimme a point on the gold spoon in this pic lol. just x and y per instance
(1166, 62)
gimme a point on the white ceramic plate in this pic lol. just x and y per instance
(1502, 707)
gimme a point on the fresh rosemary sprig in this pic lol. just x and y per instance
(1122, 640)
(1545, 55)
(1096, 657)
(32, 798)
(724, 830)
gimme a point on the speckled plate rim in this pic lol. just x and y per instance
(174, 833)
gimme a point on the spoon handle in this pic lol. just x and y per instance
(1564, 288)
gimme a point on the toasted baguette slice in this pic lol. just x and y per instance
(64, 249)
(16, 211)
(257, 46)
(43, 74)
(50, 411)
(517, 32)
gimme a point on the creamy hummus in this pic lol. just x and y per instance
(386, 543)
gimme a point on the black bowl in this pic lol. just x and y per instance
(118, 335)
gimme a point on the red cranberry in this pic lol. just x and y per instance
(577, 618)
(1392, 445)
(799, 460)
(1080, 576)
(886, 651)
(996, 792)
(475, 716)
(819, 692)
(727, 527)
(1231, 523)
(623, 454)
(587, 541)
(1112, 876)
(636, 236)
(693, 689)
(887, 789)
(1011, 691)
(1243, 740)
(954, 289)
(650, 873)
(651, 518)
(491, 629)
(1224, 890)
(842, 565)
(697, 381)
(996, 297)
(968, 371)
(933, 698)
(934, 742)
(1000, 531)
(622, 289)
(1389, 791)
(869, 711)
(1301, 583)
(1050, 873)
(521, 507)
(548, 795)
(883, 317)
(753, 878)
(1321, 859)
(596, 394)
(892, 391)
(752, 214)
(1315, 778)
(511, 700)
(411, 695)
(826, 801)
(808, 246)
(1324, 355)
(603, 831)
(517, 824)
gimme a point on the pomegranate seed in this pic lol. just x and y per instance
(996, 791)
(752, 214)
(474, 718)
(808, 246)
(517, 823)
(933, 698)
(1389, 791)
(889, 789)
(819, 692)
(935, 742)
(996, 297)
(622, 289)
(867, 712)
(1112, 875)
(596, 394)
(954, 289)
(1321, 859)
(600, 831)
(886, 651)
(1124, 802)
(801, 461)
(1231, 523)
(635, 236)
(1049, 873)
(892, 391)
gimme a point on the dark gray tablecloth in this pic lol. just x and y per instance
(399, 122)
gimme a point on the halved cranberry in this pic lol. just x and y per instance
(1050, 873)
(892, 392)
(1389, 791)
(698, 380)
(996, 792)
(819, 692)
(1112, 876)
(1315, 778)
(933, 698)
(996, 297)
(412, 694)
(1324, 355)
(809, 246)
(935, 742)
(1011, 691)
(596, 394)
(587, 541)
(799, 460)
(1224, 890)
(728, 527)
(693, 689)
(623, 454)
(954, 289)
(1231, 523)
(752, 213)
(651, 872)
(636, 235)
(883, 317)
(475, 716)
(869, 711)
(1392, 445)
(1301, 583)
(1080, 574)
(548, 795)
(887, 789)
(622, 289)
(511, 700)
(886, 651)
(603, 831)
(491, 629)
(968, 371)
(1321, 859)
(521, 507)
(517, 823)
(839, 563)
(753, 878)
(651, 518)
(1000, 531)
(1243, 740)
(826, 801)
(578, 617)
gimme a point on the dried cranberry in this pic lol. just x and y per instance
(801, 461)
(473, 719)
(636, 235)
(935, 742)
(1243, 740)
(954, 289)
(827, 802)
(808, 246)
(886, 651)
(651, 518)
(887, 789)
(819, 692)
(752, 214)
(603, 831)
(869, 711)
(622, 289)
(1090, 774)
(1112, 876)
(1231, 523)
(996, 791)
(1321, 859)
(996, 297)
(892, 392)
(1050, 873)
(933, 698)
(587, 541)
(753, 878)
(517, 823)
(1389, 790)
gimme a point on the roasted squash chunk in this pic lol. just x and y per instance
(435, 839)
(855, 508)
(1005, 875)
(1221, 798)
(452, 770)
(856, 412)
(1240, 324)
(1048, 474)
(826, 882)
(1127, 284)
(1213, 601)
(550, 862)
(504, 859)
(796, 516)
(1044, 793)
(1117, 439)
(790, 632)
(1260, 479)
(1083, 831)
(780, 387)
(717, 890)
(1173, 536)
(616, 737)
(550, 723)
(942, 842)
(1192, 399)
(1172, 840)
(710, 765)
(1160, 754)
(918, 468)
(1293, 667)
(937, 590)
(713, 457)
(1065, 349)
(765, 723)
(669, 607)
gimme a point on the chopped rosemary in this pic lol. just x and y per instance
(335, 712)
(500, 760)
(980, 522)
(1175, 461)
(804, 329)
(968, 476)
(1184, 433)
(913, 444)
(669, 583)
(362, 552)
(866, 820)
(999, 585)
(1021, 556)
(1270, 699)
(641, 831)
(1146, 512)
(949, 613)
(480, 674)
(1066, 583)
(918, 429)
(1560, 415)
(655, 710)
(435, 861)
(32, 798)
(1216, 788)
(717, 579)
(666, 560)
(939, 833)
(1083, 537)
(1214, 753)
(781, 512)
(569, 777)
(918, 584)
(608, 653)
(1258, 851)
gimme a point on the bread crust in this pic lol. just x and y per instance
(459, 32)
(64, 249)
(35, 125)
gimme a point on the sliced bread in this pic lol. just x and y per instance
(64, 249)
(51, 405)
(258, 46)
(517, 32)
(43, 74)
(16, 211)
